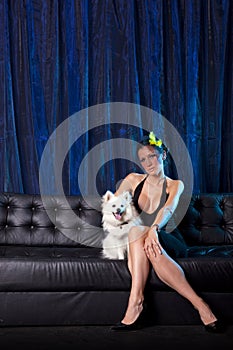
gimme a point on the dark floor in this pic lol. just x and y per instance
(100, 337)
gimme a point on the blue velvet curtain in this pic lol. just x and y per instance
(59, 57)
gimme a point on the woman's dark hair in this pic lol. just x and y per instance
(147, 140)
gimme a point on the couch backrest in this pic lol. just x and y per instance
(208, 220)
(26, 220)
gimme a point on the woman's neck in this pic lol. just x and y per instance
(155, 179)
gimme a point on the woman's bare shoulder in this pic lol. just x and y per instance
(174, 185)
(130, 182)
(135, 177)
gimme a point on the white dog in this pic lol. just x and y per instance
(119, 215)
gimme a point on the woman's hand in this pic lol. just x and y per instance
(152, 246)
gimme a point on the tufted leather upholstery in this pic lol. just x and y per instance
(37, 257)
(208, 225)
(24, 220)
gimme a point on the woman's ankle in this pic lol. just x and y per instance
(199, 303)
(136, 301)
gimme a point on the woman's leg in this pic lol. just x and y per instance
(138, 264)
(173, 275)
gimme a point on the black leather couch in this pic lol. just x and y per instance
(46, 278)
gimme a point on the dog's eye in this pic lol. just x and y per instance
(113, 205)
(122, 205)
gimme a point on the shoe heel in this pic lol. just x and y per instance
(215, 327)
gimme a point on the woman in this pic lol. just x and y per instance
(156, 196)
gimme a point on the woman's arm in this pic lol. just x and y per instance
(168, 209)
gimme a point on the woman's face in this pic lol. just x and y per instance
(151, 160)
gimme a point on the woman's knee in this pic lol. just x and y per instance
(137, 234)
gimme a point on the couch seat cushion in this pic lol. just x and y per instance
(82, 269)
(60, 269)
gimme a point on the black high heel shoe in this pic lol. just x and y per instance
(215, 327)
(138, 324)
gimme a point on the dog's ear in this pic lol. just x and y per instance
(107, 196)
(127, 195)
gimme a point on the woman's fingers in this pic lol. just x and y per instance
(157, 247)
(149, 250)
(153, 248)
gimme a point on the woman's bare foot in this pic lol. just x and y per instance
(206, 314)
(133, 311)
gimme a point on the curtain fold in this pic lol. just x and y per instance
(60, 57)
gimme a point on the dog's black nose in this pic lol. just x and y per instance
(118, 210)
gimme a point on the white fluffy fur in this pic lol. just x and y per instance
(115, 244)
